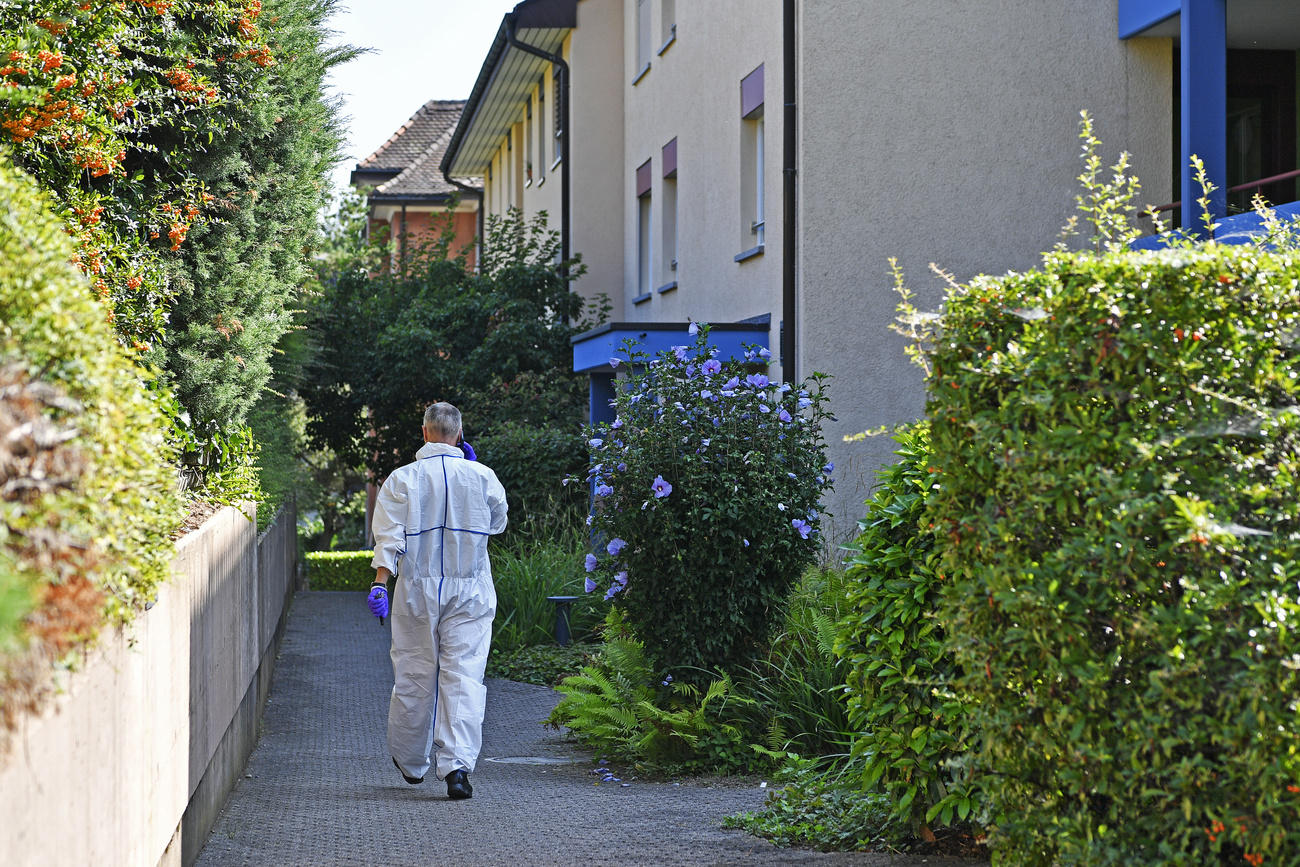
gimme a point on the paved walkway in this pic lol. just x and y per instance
(320, 788)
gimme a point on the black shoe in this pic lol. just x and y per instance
(414, 781)
(458, 787)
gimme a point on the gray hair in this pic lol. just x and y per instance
(443, 419)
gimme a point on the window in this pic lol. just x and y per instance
(752, 224)
(527, 143)
(541, 130)
(515, 149)
(557, 100)
(642, 37)
(644, 239)
(669, 16)
(668, 265)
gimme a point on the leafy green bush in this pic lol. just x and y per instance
(1116, 520)
(911, 724)
(340, 570)
(532, 463)
(708, 485)
(89, 500)
(494, 342)
(615, 706)
(186, 147)
(822, 809)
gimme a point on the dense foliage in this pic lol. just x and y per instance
(244, 272)
(708, 486)
(910, 724)
(495, 343)
(87, 501)
(186, 146)
(525, 575)
(1116, 445)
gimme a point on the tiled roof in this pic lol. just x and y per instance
(422, 177)
(432, 123)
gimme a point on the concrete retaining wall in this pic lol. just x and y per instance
(131, 763)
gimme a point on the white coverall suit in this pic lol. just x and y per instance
(432, 519)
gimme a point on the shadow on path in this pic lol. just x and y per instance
(320, 789)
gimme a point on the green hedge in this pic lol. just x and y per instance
(340, 570)
(85, 525)
(1116, 444)
(911, 725)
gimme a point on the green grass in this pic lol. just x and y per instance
(525, 576)
(799, 682)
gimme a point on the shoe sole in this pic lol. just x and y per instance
(414, 781)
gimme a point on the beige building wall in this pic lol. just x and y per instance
(595, 53)
(691, 91)
(946, 133)
(592, 50)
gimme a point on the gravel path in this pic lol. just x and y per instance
(320, 789)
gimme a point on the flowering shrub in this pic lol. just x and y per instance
(185, 145)
(707, 488)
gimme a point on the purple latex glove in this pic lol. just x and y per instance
(468, 450)
(378, 601)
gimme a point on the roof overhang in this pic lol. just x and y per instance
(593, 349)
(372, 177)
(505, 81)
(1252, 24)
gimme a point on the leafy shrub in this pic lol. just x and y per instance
(532, 463)
(798, 684)
(911, 724)
(1116, 520)
(615, 706)
(541, 664)
(88, 501)
(708, 485)
(822, 809)
(340, 570)
(495, 343)
(186, 147)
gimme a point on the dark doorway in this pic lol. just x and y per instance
(1261, 125)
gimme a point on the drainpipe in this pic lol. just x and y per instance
(565, 132)
(401, 256)
(789, 211)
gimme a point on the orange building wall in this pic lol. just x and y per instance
(424, 227)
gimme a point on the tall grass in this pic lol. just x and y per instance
(525, 575)
(799, 684)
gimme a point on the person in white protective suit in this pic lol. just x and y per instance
(431, 525)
